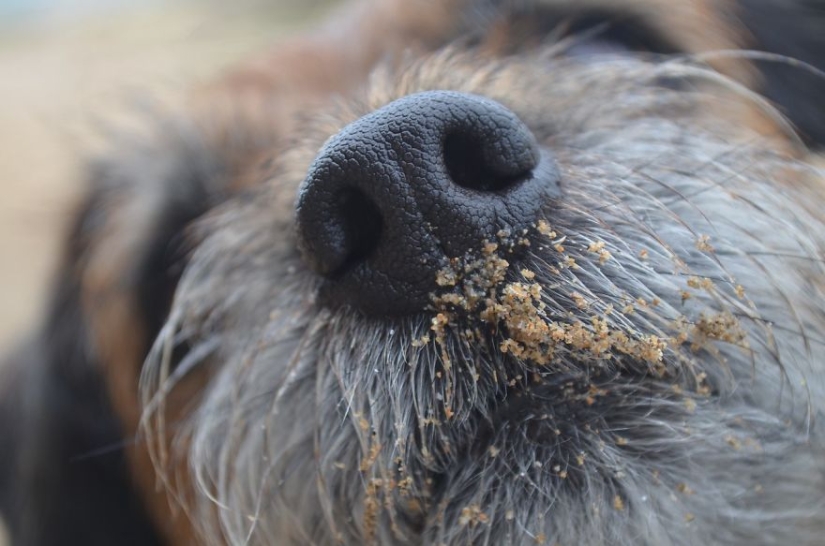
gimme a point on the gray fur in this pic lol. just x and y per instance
(322, 426)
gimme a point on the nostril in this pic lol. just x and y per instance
(398, 193)
(361, 223)
(468, 167)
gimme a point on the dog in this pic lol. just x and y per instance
(455, 272)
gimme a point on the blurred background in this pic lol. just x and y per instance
(67, 68)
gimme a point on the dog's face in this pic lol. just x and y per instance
(473, 272)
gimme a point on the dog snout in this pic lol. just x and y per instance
(396, 194)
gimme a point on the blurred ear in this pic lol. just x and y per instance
(63, 468)
(794, 29)
(73, 465)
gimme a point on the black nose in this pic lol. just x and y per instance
(398, 192)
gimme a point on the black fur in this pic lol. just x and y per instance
(532, 24)
(795, 29)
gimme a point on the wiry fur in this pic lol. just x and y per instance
(646, 372)
(323, 426)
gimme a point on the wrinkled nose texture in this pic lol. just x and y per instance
(396, 194)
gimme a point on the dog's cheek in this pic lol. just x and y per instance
(132, 242)
(136, 239)
(134, 236)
